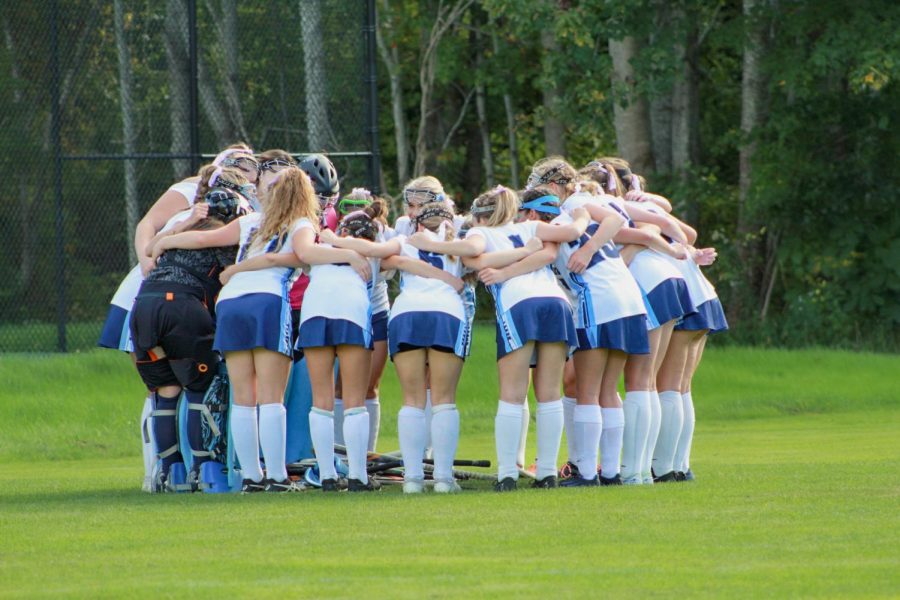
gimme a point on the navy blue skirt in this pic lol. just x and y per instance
(671, 300)
(546, 320)
(709, 315)
(628, 335)
(321, 332)
(380, 326)
(253, 321)
(116, 334)
(427, 329)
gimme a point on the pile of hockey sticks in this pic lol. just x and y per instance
(387, 468)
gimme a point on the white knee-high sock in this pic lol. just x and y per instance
(411, 431)
(507, 427)
(523, 434)
(611, 441)
(569, 423)
(338, 422)
(637, 429)
(147, 436)
(373, 407)
(586, 426)
(671, 421)
(649, 449)
(272, 432)
(549, 435)
(682, 460)
(445, 436)
(245, 435)
(428, 423)
(321, 430)
(356, 435)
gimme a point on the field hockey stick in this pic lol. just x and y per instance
(429, 468)
(395, 455)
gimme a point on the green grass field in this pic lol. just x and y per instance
(796, 453)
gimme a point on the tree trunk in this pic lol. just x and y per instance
(554, 130)
(314, 79)
(232, 79)
(481, 111)
(686, 117)
(391, 60)
(753, 90)
(510, 123)
(631, 117)
(446, 17)
(129, 136)
(176, 41)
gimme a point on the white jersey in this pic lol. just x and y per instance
(128, 289)
(537, 284)
(424, 294)
(272, 280)
(336, 291)
(605, 291)
(404, 225)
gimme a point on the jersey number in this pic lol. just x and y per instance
(433, 259)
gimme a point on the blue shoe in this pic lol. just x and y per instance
(579, 481)
(617, 480)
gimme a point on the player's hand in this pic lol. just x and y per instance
(226, 275)
(158, 249)
(148, 263)
(533, 245)
(199, 212)
(327, 236)
(705, 256)
(492, 276)
(678, 251)
(580, 259)
(635, 196)
(361, 265)
(419, 240)
(457, 284)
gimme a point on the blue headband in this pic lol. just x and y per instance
(543, 205)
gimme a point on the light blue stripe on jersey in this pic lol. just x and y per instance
(511, 339)
(367, 331)
(585, 306)
(464, 341)
(652, 321)
(284, 342)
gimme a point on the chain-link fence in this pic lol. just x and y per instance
(105, 104)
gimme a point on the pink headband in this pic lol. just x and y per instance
(214, 177)
(636, 183)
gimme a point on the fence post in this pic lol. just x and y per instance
(194, 94)
(372, 83)
(55, 118)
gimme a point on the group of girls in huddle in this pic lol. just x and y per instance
(259, 260)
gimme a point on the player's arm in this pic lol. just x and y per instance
(364, 247)
(568, 232)
(422, 269)
(166, 207)
(533, 262)
(473, 245)
(610, 221)
(228, 235)
(310, 253)
(666, 223)
(259, 262)
(503, 258)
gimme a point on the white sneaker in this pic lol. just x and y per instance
(147, 488)
(412, 486)
(636, 480)
(446, 487)
(647, 480)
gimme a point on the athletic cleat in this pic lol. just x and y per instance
(679, 476)
(617, 480)
(287, 485)
(569, 469)
(636, 480)
(329, 485)
(446, 487)
(413, 486)
(546, 483)
(666, 478)
(147, 486)
(689, 475)
(158, 480)
(355, 485)
(251, 487)
(195, 482)
(646, 479)
(579, 481)
(507, 484)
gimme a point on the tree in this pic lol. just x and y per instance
(129, 133)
